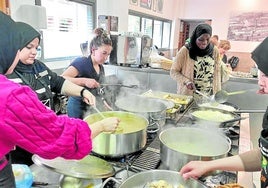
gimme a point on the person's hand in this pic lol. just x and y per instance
(190, 85)
(91, 83)
(261, 91)
(89, 98)
(194, 169)
(110, 124)
(229, 68)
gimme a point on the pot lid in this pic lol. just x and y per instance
(169, 104)
(90, 167)
(140, 104)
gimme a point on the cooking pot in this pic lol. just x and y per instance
(90, 167)
(181, 145)
(224, 106)
(130, 138)
(152, 109)
(214, 117)
(72, 182)
(145, 178)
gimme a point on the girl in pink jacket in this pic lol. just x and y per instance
(27, 123)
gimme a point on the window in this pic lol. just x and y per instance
(135, 23)
(166, 35)
(156, 28)
(147, 26)
(66, 29)
(157, 33)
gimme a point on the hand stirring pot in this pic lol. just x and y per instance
(118, 129)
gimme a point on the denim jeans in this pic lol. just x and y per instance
(75, 107)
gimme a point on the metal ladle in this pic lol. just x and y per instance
(118, 129)
(121, 85)
(222, 95)
(99, 112)
(200, 93)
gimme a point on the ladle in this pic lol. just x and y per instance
(222, 95)
(118, 129)
(97, 110)
(120, 85)
(200, 93)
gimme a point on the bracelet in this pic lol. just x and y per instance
(82, 92)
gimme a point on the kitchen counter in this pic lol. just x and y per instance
(159, 79)
(244, 80)
(245, 178)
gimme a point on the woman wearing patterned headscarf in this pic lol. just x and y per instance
(197, 64)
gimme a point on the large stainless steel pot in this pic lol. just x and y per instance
(180, 145)
(131, 138)
(152, 109)
(143, 180)
(214, 117)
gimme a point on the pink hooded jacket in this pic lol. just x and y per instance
(26, 122)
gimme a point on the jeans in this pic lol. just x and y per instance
(7, 178)
(75, 107)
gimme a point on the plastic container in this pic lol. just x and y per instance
(23, 176)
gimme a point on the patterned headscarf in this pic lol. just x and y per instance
(194, 50)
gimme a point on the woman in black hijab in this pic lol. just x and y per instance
(251, 161)
(197, 64)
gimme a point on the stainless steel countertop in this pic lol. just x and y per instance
(245, 178)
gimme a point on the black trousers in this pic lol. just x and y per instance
(7, 178)
(21, 156)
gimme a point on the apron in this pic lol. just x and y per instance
(263, 144)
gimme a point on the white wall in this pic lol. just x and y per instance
(216, 10)
(219, 11)
(117, 8)
(15, 4)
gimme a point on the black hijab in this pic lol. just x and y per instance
(260, 56)
(13, 37)
(25, 35)
(8, 46)
(194, 50)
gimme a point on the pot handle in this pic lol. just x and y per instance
(110, 179)
(224, 123)
(229, 140)
(156, 130)
(157, 119)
